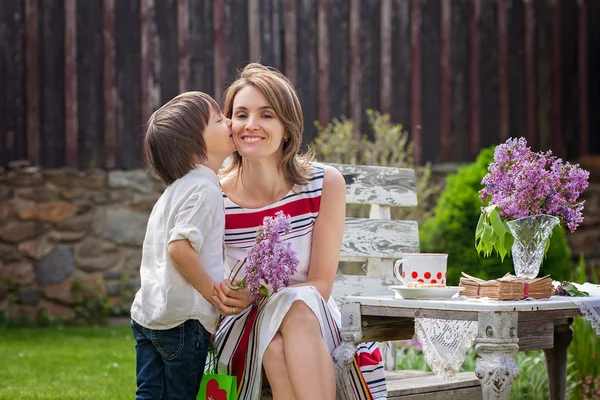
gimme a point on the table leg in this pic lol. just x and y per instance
(556, 361)
(496, 346)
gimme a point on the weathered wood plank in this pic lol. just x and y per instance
(379, 185)
(128, 64)
(71, 87)
(400, 111)
(149, 61)
(356, 285)
(89, 86)
(290, 41)
(201, 50)
(52, 83)
(383, 329)
(570, 77)
(384, 311)
(220, 58)
(307, 72)
(474, 89)
(430, 384)
(535, 335)
(593, 8)
(583, 82)
(430, 80)
(237, 38)
(109, 83)
(379, 238)
(385, 86)
(445, 84)
(32, 76)
(415, 79)
(323, 62)
(355, 106)
(557, 140)
(459, 58)
(254, 30)
(488, 73)
(167, 48)
(369, 70)
(530, 83)
(543, 31)
(13, 136)
(503, 84)
(268, 25)
(339, 67)
(467, 393)
(516, 68)
(183, 44)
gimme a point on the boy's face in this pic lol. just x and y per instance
(217, 137)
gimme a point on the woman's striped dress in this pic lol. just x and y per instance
(242, 339)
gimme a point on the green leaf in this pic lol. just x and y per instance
(264, 291)
(479, 229)
(573, 291)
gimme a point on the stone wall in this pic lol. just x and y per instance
(64, 229)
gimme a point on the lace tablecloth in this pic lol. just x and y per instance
(445, 342)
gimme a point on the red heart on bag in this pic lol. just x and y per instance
(214, 392)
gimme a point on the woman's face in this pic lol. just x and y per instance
(257, 130)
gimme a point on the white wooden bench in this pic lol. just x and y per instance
(377, 242)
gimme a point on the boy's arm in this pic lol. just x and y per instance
(186, 238)
(188, 263)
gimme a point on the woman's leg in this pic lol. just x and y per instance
(308, 361)
(275, 366)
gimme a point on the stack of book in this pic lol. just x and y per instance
(509, 287)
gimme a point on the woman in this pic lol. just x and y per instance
(293, 333)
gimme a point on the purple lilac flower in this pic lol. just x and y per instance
(271, 260)
(523, 183)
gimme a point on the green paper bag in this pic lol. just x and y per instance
(218, 387)
(215, 386)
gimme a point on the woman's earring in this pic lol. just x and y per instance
(286, 140)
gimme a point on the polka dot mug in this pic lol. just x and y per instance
(421, 268)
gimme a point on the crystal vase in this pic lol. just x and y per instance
(531, 235)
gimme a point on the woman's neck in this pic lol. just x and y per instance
(262, 182)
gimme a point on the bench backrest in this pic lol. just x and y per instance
(376, 241)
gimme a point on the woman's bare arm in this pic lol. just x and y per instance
(328, 233)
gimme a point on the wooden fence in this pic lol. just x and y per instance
(80, 78)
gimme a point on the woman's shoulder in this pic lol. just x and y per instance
(329, 175)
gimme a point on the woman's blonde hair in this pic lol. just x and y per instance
(282, 97)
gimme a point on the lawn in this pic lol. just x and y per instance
(67, 363)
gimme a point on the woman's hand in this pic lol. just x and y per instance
(231, 301)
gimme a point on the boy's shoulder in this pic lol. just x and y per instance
(196, 184)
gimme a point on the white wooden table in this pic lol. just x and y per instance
(504, 327)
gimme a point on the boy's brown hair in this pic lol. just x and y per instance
(174, 138)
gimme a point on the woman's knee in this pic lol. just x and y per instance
(301, 317)
(275, 348)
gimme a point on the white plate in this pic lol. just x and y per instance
(405, 292)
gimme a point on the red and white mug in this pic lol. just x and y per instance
(422, 268)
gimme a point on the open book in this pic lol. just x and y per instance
(509, 287)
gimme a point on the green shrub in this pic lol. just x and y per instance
(389, 147)
(452, 230)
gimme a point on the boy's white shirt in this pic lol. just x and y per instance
(190, 208)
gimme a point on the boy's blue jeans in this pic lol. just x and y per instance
(170, 363)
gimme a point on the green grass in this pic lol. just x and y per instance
(67, 363)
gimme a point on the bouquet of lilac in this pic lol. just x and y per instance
(271, 260)
(521, 183)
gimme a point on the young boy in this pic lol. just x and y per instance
(172, 315)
